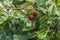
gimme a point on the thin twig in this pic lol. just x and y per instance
(14, 8)
(11, 8)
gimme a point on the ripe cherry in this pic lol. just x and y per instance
(31, 17)
(34, 14)
(52, 27)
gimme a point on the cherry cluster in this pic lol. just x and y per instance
(31, 17)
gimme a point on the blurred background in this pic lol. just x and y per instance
(29, 19)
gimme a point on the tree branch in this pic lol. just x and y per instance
(14, 8)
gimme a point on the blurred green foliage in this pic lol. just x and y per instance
(15, 25)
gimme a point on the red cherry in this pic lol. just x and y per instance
(52, 27)
(30, 17)
(34, 14)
